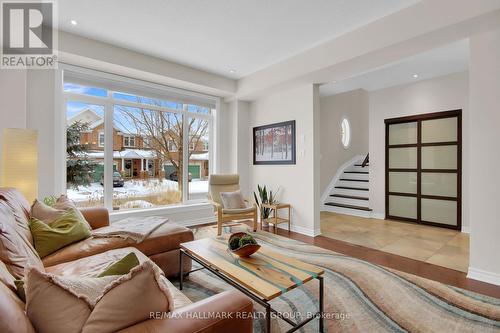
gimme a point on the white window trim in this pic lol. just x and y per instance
(99, 139)
(129, 137)
(109, 103)
(348, 130)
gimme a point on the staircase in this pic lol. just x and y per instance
(349, 191)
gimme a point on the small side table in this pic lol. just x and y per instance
(275, 220)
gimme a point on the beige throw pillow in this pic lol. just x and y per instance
(58, 304)
(232, 200)
(48, 214)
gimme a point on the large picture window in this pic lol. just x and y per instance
(128, 151)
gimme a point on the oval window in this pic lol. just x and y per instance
(345, 133)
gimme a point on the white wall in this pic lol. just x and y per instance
(12, 101)
(352, 105)
(438, 94)
(299, 183)
(484, 157)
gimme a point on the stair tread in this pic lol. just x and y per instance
(358, 172)
(348, 196)
(352, 188)
(354, 180)
(348, 206)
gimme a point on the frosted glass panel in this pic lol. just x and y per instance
(439, 130)
(439, 157)
(403, 133)
(443, 184)
(439, 211)
(403, 182)
(403, 206)
(403, 158)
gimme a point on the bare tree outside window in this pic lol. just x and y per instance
(164, 131)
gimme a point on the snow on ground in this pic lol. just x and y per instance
(198, 189)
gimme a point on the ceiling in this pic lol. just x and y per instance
(220, 35)
(451, 58)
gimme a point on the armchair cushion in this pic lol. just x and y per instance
(232, 200)
(248, 209)
(222, 183)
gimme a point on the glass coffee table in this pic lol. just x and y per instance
(263, 276)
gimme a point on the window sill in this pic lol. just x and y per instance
(184, 214)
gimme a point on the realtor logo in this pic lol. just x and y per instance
(28, 35)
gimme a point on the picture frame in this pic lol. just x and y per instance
(274, 144)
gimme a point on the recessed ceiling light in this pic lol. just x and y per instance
(415, 76)
(73, 22)
(334, 81)
(232, 71)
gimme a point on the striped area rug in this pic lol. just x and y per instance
(360, 296)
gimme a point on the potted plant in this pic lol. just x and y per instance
(266, 197)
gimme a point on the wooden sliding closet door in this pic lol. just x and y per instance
(423, 168)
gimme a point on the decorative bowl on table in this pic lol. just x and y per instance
(242, 244)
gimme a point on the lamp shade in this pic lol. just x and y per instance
(20, 161)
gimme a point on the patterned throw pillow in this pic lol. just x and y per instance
(59, 304)
(232, 200)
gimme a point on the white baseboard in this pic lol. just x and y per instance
(378, 216)
(484, 276)
(466, 229)
(301, 230)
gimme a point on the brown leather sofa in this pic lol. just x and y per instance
(88, 257)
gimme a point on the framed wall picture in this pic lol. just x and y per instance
(274, 143)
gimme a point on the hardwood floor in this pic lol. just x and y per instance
(427, 270)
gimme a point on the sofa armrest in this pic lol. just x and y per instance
(229, 311)
(97, 217)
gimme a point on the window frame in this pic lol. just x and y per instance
(109, 102)
(345, 131)
(128, 138)
(99, 144)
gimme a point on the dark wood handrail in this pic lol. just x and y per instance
(366, 160)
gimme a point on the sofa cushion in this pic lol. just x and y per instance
(93, 265)
(122, 266)
(13, 319)
(48, 214)
(20, 209)
(67, 229)
(164, 239)
(16, 251)
(90, 305)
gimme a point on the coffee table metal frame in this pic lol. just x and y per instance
(265, 303)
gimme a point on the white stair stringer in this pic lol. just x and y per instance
(348, 192)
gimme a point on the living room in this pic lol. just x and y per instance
(249, 166)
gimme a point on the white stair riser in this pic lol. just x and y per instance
(353, 184)
(351, 192)
(346, 211)
(357, 168)
(360, 176)
(347, 201)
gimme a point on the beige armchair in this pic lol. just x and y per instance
(229, 183)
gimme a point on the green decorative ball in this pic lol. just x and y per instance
(247, 239)
(234, 243)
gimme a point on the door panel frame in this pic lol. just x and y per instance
(419, 118)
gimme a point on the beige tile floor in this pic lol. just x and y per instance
(439, 246)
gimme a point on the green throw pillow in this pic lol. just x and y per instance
(66, 230)
(20, 289)
(122, 266)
